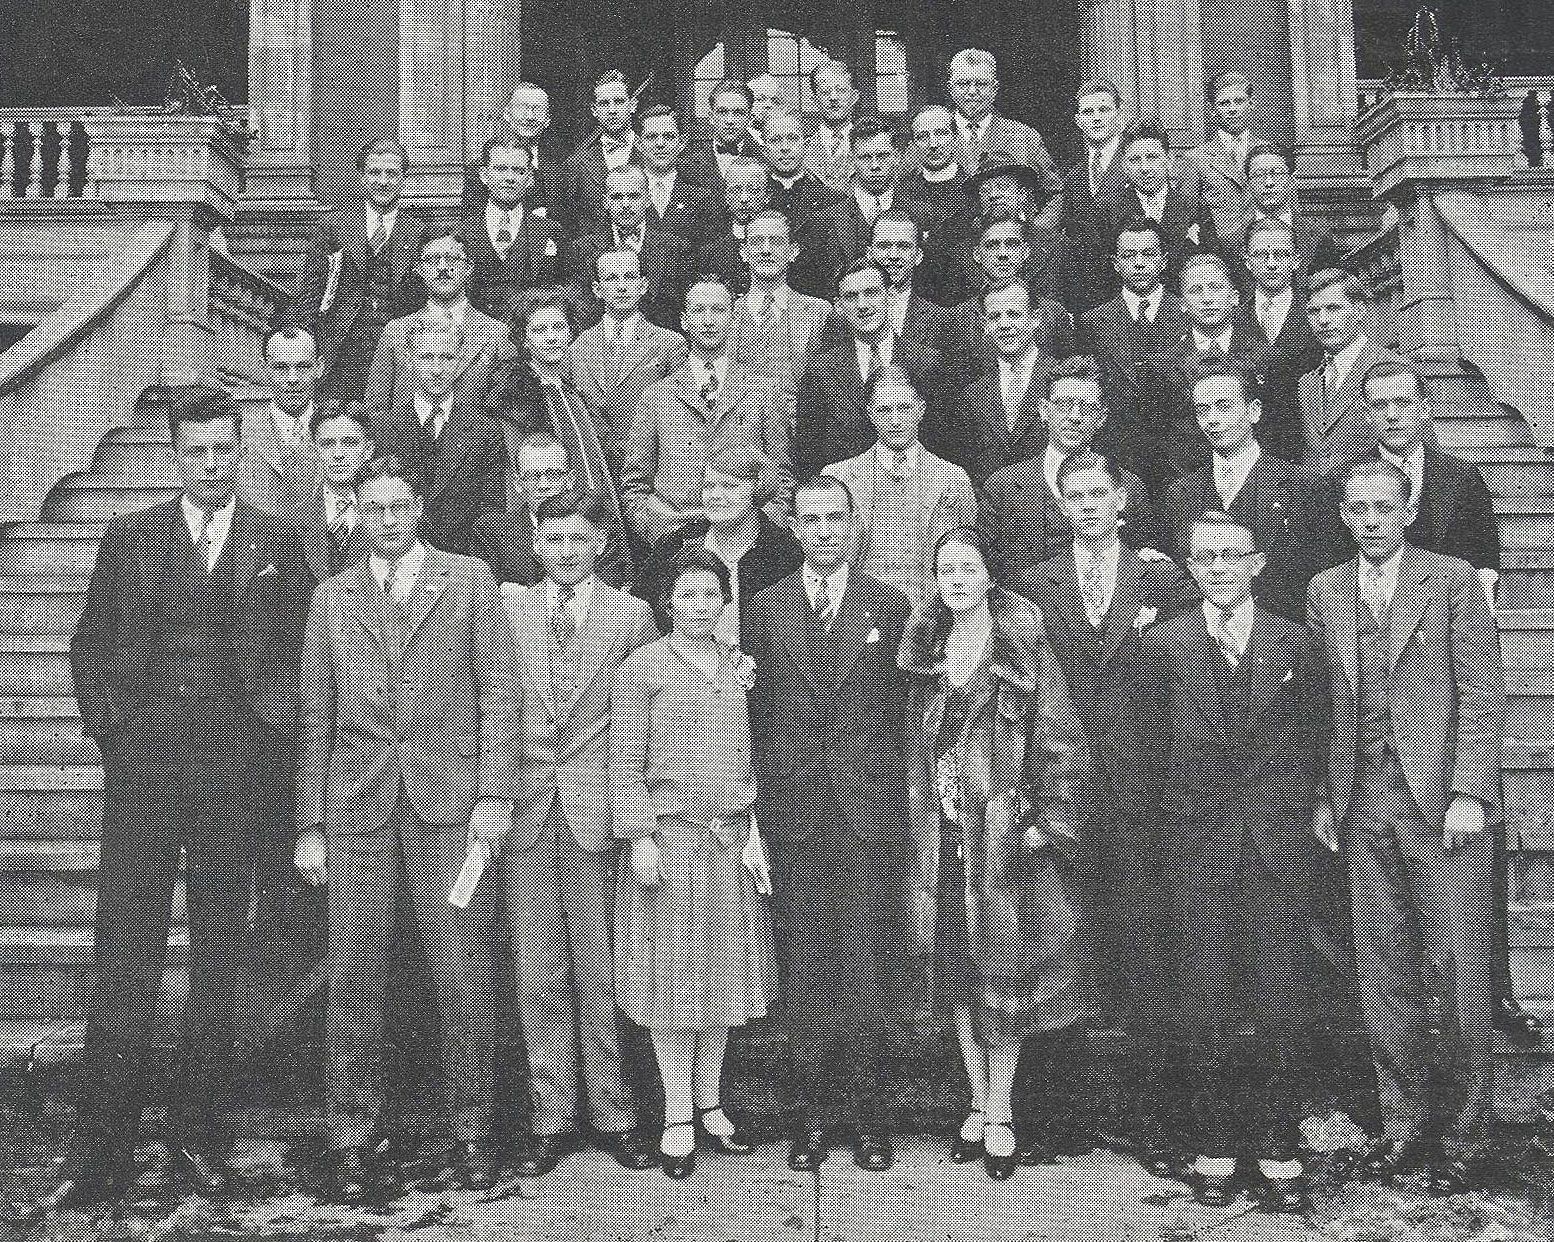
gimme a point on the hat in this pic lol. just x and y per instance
(1002, 164)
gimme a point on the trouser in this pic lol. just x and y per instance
(560, 902)
(1422, 927)
(833, 895)
(179, 776)
(409, 866)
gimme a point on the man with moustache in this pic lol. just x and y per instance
(828, 153)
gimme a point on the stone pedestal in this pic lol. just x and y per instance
(1326, 95)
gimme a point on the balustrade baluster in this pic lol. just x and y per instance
(62, 166)
(35, 160)
(7, 158)
(1545, 133)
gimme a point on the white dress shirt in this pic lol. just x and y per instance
(903, 465)
(1203, 343)
(624, 331)
(900, 300)
(452, 312)
(291, 431)
(1412, 466)
(433, 417)
(376, 217)
(617, 154)
(971, 132)
(496, 217)
(1014, 384)
(1236, 147)
(405, 571)
(661, 190)
(837, 582)
(339, 507)
(1272, 312)
(887, 353)
(1153, 205)
(1379, 583)
(835, 140)
(1100, 161)
(756, 304)
(1144, 309)
(1238, 626)
(948, 173)
(216, 527)
(582, 596)
(1230, 473)
(873, 206)
(1051, 459)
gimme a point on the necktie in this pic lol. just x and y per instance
(433, 422)
(876, 360)
(1227, 640)
(766, 304)
(391, 583)
(504, 234)
(658, 191)
(340, 528)
(1092, 589)
(202, 540)
(1330, 374)
(709, 388)
(825, 603)
(1224, 482)
(562, 623)
(379, 236)
(1265, 317)
(1370, 582)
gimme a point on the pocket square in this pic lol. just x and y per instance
(874, 637)
(267, 571)
(550, 248)
(1290, 675)
(538, 211)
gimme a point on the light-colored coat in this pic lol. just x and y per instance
(439, 716)
(272, 476)
(487, 355)
(1333, 425)
(566, 744)
(1224, 187)
(1447, 686)
(611, 380)
(778, 349)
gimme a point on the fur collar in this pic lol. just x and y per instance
(1014, 654)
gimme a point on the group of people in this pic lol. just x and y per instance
(793, 574)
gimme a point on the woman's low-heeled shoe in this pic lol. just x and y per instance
(735, 1143)
(678, 1166)
(999, 1168)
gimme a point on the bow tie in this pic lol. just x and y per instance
(728, 148)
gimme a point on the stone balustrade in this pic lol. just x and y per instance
(1530, 99)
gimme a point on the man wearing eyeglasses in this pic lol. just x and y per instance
(409, 761)
(486, 349)
(1231, 704)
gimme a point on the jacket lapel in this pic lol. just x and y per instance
(429, 585)
(1408, 604)
(853, 621)
(596, 635)
(1268, 666)
(369, 601)
(1209, 681)
(1346, 622)
(240, 546)
(1125, 603)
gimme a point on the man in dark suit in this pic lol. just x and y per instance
(409, 769)
(453, 449)
(1233, 701)
(955, 258)
(1274, 314)
(1171, 200)
(827, 717)
(707, 156)
(504, 538)
(1087, 187)
(185, 663)
(1209, 298)
(806, 200)
(1331, 394)
(332, 531)
(511, 248)
(1271, 180)
(359, 272)
(675, 203)
(871, 192)
(612, 144)
(1097, 596)
(832, 423)
(1003, 257)
(1264, 493)
(666, 257)
(895, 247)
(523, 123)
(1141, 323)
(747, 189)
(1415, 794)
(935, 182)
(1021, 512)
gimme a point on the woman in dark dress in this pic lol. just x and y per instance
(996, 758)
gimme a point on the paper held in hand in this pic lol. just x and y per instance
(469, 875)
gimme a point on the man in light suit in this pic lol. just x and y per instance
(980, 131)
(359, 272)
(511, 246)
(612, 144)
(1332, 395)
(486, 349)
(619, 358)
(1219, 163)
(279, 465)
(906, 496)
(828, 153)
(709, 404)
(775, 327)
(410, 749)
(1414, 786)
(558, 862)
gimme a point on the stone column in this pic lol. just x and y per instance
(280, 67)
(1325, 94)
(1107, 34)
(492, 66)
(431, 95)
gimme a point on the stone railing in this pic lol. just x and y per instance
(1531, 101)
(243, 305)
(42, 153)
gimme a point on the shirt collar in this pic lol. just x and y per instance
(424, 409)
(1105, 153)
(912, 458)
(1412, 465)
(886, 201)
(949, 172)
(780, 298)
(1387, 571)
(1240, 624)
(628, 326)
(1220, 340)
(582, 596)
(788, 183)
(291, 429)
(1051, 459)
(1236, 147)
(453, 313)
(1278, 301)
(639, 235)
(1150, 200)
(837, 579)
(970, 130)
(1344, 359)
(408, 569)
(887, 348)
(1242, 460)
(1110, 557)
(334, 502)
(220, 519)
(387, 218)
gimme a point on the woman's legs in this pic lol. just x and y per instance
(1002, 1061)
(975, 1058)
(711, 1046)
(675, 1052)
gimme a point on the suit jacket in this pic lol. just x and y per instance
(1124, 349)
(1237, 767)
(464, 476)
(486, 357)
(944, 501)
(673, 437)
(693, 211)
(274, 476)
(535, 259)
(829, 740)
(115, 645)
(1333, 426)
(1025, 526)
(1225, 189)
(1184, 211)
(504, 540)
(1445, 653)
(848, 232)
(1054, 332)
(1101, 664)
(951, 274)
(1277, 503)
(318, 545)
(1285, 359)
(834, 169)
(1314, 243)
(1006, 141)
(808, 204)
(666, 265)
(564, 744)
(925, 323)
(435, 715)
(1092, 279)
(982, 442)
(1181, 446)
(582, 181)
(719, 254)
(832, 424)
(332, 294)
(611, 379)
(699, 161)
(781, 348)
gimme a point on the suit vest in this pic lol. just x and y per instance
(198, 652)
(1375, 732)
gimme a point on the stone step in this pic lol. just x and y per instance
(151, 456)
(1526, 578)
(50, 802)
(38, 605)
(72, 501)
(35, 664)
(35, 730)
(1514, 470)
(131, 473)
(45, 972)
(1480, 429)
(1527, 637)
(30, 555)
(1525, 521)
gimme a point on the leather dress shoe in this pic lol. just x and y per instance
(678, 1166)
(543, 1153)
(734, 1143)
(874, 1151)
(628, 1149)
(1283, 1194)
(202, 1171)
(1387, 1158)
(999, 1168)
(349, 1183)
(474, 1166)
(1524, 1029)
(809, 1151)
(965, 1150)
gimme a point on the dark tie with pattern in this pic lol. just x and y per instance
(562, 623)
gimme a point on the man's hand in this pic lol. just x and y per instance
(1323, 825)
(756, 862)
(644, 861)
(1152, 554)
(490, 821)
(1464, 820)
(1035, 839)
(312, 856)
